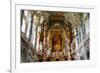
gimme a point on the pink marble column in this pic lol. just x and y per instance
(38, 41)
(68, 49)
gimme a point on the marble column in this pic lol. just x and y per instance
(34, 30)
(26, 20)
(38, 38)
(45, 41)
(29, 29)
(33, 41)
(34, 35)
(68, 49)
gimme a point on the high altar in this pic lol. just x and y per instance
(56, 42)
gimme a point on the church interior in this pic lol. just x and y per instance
(54, 36)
